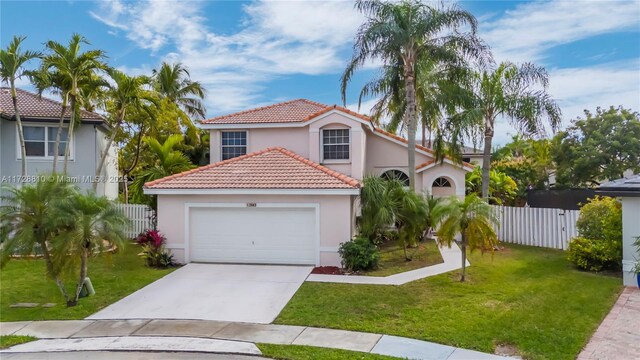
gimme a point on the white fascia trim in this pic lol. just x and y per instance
(422, 152)
(252, 191)
(281, 125)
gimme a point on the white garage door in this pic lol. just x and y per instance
(259, 235)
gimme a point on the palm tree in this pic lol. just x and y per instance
(402, 34)
(515, 92)
(90, 224)
(169, 162)
(12, 61)
(125, 92)
(472, 219)
(28, 226)
(173, 82)
(76, 68)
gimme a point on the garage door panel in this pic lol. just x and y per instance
(253, 235)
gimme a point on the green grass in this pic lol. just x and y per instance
(10, 340)
(530, 298)
(113, 276)
(296, 352)
(392, 260)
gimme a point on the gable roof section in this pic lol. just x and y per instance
(34, 107)
(272, 168)
(286, 112)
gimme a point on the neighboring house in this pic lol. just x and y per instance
(40, 119)
(283, 185)
(473, 156)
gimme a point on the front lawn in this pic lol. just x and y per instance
(10, 340)
(526, 297)
(296, 352)
(392, 260)
(113, 276)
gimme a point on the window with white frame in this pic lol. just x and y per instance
(335, 144)
(234, 144)
(40, 140)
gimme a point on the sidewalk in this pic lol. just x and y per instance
(215, 337)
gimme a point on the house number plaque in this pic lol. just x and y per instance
(251, 204)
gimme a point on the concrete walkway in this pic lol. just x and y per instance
(215, 337)
(451, 257)
(618, 336)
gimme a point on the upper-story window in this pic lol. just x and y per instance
(40, 140)
(335, 144)
(234, 143)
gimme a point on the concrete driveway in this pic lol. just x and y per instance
(238, 293)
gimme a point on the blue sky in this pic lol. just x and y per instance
(251, 53)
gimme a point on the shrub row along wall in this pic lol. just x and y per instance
(543, 227)
(141, 217)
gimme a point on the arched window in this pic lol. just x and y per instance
(441, 182)
(396, 174)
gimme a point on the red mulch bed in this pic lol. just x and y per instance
(327, 270)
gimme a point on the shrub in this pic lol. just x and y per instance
(601, 219)
(359, 254)
(153, 249)
(595, 255)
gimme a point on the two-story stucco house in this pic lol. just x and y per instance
(40, 119)
(283, 185)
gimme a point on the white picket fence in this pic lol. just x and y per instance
(550, 228)
(140, 215)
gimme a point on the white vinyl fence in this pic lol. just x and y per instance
(550, 228)
(141, 217)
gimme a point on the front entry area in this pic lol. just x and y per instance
(253, 233)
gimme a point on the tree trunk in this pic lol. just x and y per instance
(23, 149)
(83, 275)
(51, 270)
(72, 120)
(463, 246)
(105, 152)
(410, 116)
(60, 125)
(424, 133)
(125, 173)
(486, 158)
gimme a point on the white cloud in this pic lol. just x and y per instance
(277, 38)
(525, 33)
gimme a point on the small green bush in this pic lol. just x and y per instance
(359, 254)
(595, 255)
(601, 219)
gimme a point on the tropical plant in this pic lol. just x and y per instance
(169, 162)
(12, 62)
(359, 254)
(403, 33)
(154, 251)
(173, 82)
(502, 188)
(124, 92)
(515, 92)
(28, 225)
(75, 69)
(472, 219)
(88, 224)
(601, 146)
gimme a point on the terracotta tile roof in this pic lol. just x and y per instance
(33, 106)
(426, 163)
(272, 168)
(285, 112)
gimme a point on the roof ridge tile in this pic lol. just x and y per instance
(266, 107)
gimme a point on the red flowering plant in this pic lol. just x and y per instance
(153, 249)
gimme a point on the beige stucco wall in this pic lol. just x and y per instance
(335, 218)
(630, 230)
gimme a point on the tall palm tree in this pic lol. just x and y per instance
(169, 162)
(402, 34)
(90, 224)
(12, 61)
(77, 68)
(518, 93)
(173, 82)
(472, 219)
(28, 226)
(126, 91)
